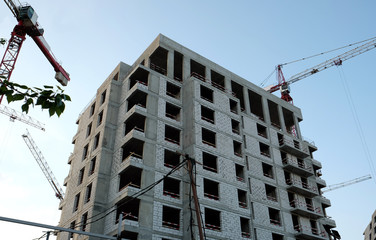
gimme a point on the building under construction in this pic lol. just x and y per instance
(182, 148)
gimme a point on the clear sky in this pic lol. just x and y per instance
(247, 37)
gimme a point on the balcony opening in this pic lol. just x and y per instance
(271, 193)
(238, 90)
(244, 227)
(171, 159)
(291, 197)
(304, 182)
(276, 236)
(261, 131)
(92, 165)
(85, 151)
(289, 121)
(212, 219)
(131, 176)
(313, 224)
(198, 70)
(295, 223)
(274, 115)
(207, 114)
(239, 171)
(281, 140)
(103, 97)
(264, 150)
(88, 129)
(287, 178)
(178, 66)
(129, 207)
(301, 163)
(237, 148)
(96, 141)
(255, 102)
(206, 94)
(209, 162)
(129, 235)
(235, 126)
(172, 90)
(296, 144)
(309, 204)
(171, 218)
(134, 148)
(267, 170)
(208, 137)
(140, 76)
(172, 111)
(242, 198)
(158, 60)
(81, 176)
(275, 217)
(172, 135)
(233, 106)
(217, 80)
(137, 98)
(211, 189)
(88, 192)
(134, 122)
(171, 187)
(100, 118)
(92, 109)
(283, 157)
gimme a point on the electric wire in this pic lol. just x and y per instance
(202, 220)
(357, 123)
(130, 198)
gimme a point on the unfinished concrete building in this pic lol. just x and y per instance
(256, 175)
(370, 231)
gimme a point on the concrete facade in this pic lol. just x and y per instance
(370, 231)
(256, 176)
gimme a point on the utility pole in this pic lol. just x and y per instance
(190, 162)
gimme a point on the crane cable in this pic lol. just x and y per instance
(357, 122)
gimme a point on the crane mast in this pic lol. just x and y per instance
(37, 154)
(284, 85)
(14, 115)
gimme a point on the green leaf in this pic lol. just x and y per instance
(67, 98)
(25, 108)
(18, 97)
(52, 111)
(48, 87)
(9, 98)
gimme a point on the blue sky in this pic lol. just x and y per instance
(247, 37)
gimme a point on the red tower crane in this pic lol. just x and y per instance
(284, 85)
(27, 24)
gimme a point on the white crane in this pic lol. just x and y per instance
(347, 183)
(14, 115)
(43, 165)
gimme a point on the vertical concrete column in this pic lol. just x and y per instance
(265, 109)
(247, 104)
(281, 118)
(170, 64)
(207, 74)
(297, 128)
(228, 84)
(186, 68)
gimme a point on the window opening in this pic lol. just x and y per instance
(274, 216)
(211, 189)
(271, 193)
(178, 66)
(309, 204)
(276, 236)
(313, 224)
(171, 159)
(158, 60)
(171, 187)
(88, 129)
(100, 118)
(233, 106)
(103, 97)
(209, 162)
(134, 148)
(92, 165)
(138, 98)
(244, 226)
(83, 222)
(255, 102)
(261, 131)
(171, 218)
(238, 90)
(288, 178)
(207, 114)
(140, 76)
(81, 176)
(295, 223)
(134, 122)
(172, 135)
(218, 80)
(289, 121)
(274, 115)
(92, 109)
(131, 176)
(237, 148)
(206, 94)
(129, 235)
(292, 200)
(72, 226)
(129, 207)
(172, 90)
(76, 202)
(208, 137)
(172, 111)
(212, 219)
(96, 141)
(85, 151)
(267, 170)
(239, 170)
(264, 150)
(235, 126)
(242, 198)
(88, 192)
(198, 70)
